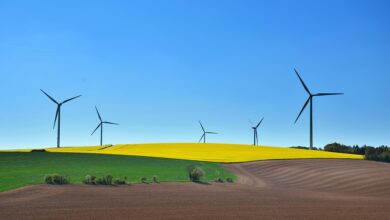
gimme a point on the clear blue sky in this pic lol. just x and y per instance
(157, 67)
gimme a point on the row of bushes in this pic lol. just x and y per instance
(220, 180)
(56, 179)
(109, 180)
(195, 174)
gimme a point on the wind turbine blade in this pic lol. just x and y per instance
(202, 126)
(111, 123)
(100, 124)
(211, 132)
(303, 108)
(50, 97)
(100, 118)
(250, 121)
(326, 94)
(201, 138)
(259, 123)
(70, 99)
(55, 118)
(303, 83)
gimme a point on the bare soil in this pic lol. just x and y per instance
(283, 189)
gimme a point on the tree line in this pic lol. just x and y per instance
(381, 153)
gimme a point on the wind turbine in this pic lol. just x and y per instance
(310, 99)
(58, 114)
(101, 126)
(255, 136)
(204, 133)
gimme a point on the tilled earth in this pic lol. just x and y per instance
(281, 189)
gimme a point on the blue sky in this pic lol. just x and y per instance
(157, 67)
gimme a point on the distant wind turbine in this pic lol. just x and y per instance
(255, 136)
(310, 99)
(58, 114)
(204, 133)
(101, 126)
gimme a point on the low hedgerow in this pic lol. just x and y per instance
(56, 179)
(229, 180)
(105, 180)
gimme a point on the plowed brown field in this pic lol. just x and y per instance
(284, 189)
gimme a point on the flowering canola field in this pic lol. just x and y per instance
(207, 152)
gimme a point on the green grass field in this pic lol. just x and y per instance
(21, 169)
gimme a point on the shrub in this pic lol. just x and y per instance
(90, 179)
(56, 179)
(48, 179)
(155, 180)
(144, 180)
(195, 174)
(106, 180)
(219, 180)
(190, 167)
(120, 181)
(229, 180)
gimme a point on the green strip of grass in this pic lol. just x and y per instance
(21, 169)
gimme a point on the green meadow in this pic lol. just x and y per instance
(19, 169)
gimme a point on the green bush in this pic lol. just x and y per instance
(56, 179)
(229, 180)
(195, 174)
(155, 180)
(120, 181)
(219, 180)
(105, 180)
(144, 180)
(48, 179)
(90, 180)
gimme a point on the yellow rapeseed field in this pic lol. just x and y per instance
(207, 152)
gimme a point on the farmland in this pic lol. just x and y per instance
(167, 161)
(19, 169)
(225, 153)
